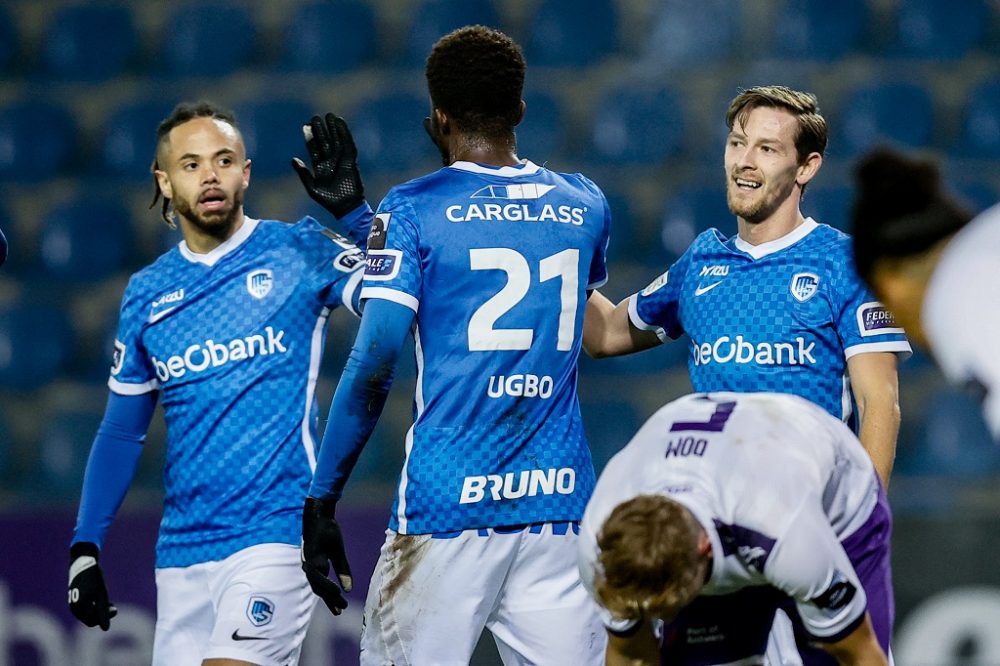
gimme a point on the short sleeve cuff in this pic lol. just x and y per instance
(387, 294)
(637, 321)
(901, 347)
(121, 388)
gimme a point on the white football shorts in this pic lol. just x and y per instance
(253, 606)
(432, 595)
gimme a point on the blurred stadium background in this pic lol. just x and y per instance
(631, 92)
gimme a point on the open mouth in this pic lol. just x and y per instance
(213, 200)
(745, 184)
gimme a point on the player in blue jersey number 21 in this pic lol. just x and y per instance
(489, 261)
(226, 330)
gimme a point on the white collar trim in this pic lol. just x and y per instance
(213, 256)
(526, 168)
(778, 244)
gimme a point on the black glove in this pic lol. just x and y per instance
(88, 596)
(335, 180)
(322, 544)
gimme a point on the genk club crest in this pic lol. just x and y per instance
(260, 610)
(804, 286)
(259, 282)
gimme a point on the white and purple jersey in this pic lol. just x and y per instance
(496, 264)
(961, 312)
(232, 340)
(782, 316)
(779, 487)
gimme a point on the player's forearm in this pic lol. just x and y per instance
(880, 418)
(111, 465)
(607, 330)
(859, 648)
(357, 224)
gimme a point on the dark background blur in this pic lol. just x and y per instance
(631, 93)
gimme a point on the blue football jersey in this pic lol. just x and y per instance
(496, 263)
(782, 316)
(232, 339)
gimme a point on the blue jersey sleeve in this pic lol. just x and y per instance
(657, 307)
(112, 462)
(864, 324)
(335, 263)
(358, 224)
(394, 267)
(360, 394)
(131, 371)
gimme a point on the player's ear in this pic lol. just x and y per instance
(164, 181)
(442, 122)
(246, 173)
(704, 544)
(520, 113)
(808, 169)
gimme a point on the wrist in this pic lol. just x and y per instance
(83, 549)
(324, 508)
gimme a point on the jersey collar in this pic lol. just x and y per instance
(526, 168)
(778, 244)
(212, 257)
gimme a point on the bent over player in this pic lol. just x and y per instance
(488, 261)
(228, 328)
(723, 506)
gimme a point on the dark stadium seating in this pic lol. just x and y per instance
(819, 29)
(577, 38)
(38, 140)
(937, 29)
(35, 344)
(390, 135)
(980, 136)
(640, 124)
(330, 37)
(877, 113)
(89, 42)
(62, 455)
(86, 240)
(431, 19)
(207, 39)
(692, 210)
(272, 129)
(128, 141)
(828, 204)
(10, 42)
(688, 32)
(953, 439)
(542, 134)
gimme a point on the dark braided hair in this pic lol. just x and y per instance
(476, 75)
(182, 113)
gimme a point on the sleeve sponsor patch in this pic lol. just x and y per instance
(875, 319)
(378, 232)
(348, 260)
(655, 284)
(837, 595)
(117, 358)
(383, 264)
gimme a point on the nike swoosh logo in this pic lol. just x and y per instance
(237, 637)
(157, 316)
(709, 287)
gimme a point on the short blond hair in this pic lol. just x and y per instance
(649, 560)
(812, 133)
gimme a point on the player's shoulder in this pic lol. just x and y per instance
(824, 238)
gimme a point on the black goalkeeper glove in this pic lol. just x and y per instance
(323, 544)
(88, 595)
(335, 180)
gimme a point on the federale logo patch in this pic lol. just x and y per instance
(655, 284)
(259, 282)
(379, 231)
(875, 319)
(383, 264)
(804, 286)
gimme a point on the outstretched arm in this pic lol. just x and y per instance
(859, 648)
(608, 331)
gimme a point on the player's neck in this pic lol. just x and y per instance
(779, 224)
(201, 241)
(469, 148)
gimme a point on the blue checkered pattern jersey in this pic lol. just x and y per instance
(496, 263)
(232, 339)
(782, 316)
